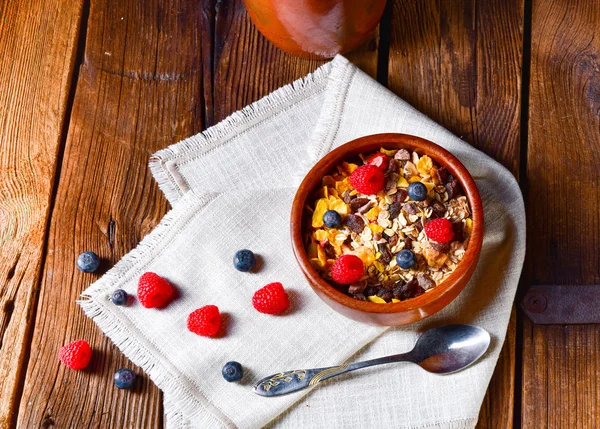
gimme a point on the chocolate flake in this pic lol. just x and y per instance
(357, 288)
(440, 247)
(441, 175)
(410, 208)
(459, 234)
(355, 223)
(438, 209)
(386, 256)
(357, 203)
(400, 196)
(394, 210)
(408, 290)
(347, 197)
(393, 167)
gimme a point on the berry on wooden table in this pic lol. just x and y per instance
(88, 262)
(244, 260)
(439, 230)
(153, 291)
(271, 299)
(367, 179)
(233, 371)
(417, 191)
(332, 219)
(205, 321)
(347, 269)
(76, 355)
(124, 378)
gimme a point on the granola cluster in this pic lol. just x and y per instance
(378, 227)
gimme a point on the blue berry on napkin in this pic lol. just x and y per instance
(88, 262)
(119, 297)
(244, 260)
(233, 371)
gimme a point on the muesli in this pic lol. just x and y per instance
(388, 226)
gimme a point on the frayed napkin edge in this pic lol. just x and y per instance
(164, 163)
(193, 404)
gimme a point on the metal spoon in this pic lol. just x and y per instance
(442, 350)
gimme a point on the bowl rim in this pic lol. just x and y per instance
(407, 141)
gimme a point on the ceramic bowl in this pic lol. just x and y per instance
(414, 309)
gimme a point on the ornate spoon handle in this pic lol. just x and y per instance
(292, 381)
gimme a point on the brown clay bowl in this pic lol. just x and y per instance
(414, 309)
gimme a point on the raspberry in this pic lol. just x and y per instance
(347, 269)
(153, 291)
(379, 160)
(76, 355)
(205, 321)
(439, 230)
(367, 179)
(271, 299)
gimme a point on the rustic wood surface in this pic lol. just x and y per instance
(561, 369)
(140, 88)
(35, 81)
(92, 88)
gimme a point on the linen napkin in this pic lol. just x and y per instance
(222, 184)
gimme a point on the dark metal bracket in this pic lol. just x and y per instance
(562, 305)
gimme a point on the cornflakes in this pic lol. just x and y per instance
(377, 227)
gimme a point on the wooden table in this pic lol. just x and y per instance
(89, 89)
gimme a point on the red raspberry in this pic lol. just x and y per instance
(205, 321)
(367, 179)
(439, 230)
(347, 269)
(379, 160)
(76, 355)
(153, 291)
(271, 299)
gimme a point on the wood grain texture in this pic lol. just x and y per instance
(248, 66)
(459, 62)
(561, 373)
(35, 79)
(140, 88)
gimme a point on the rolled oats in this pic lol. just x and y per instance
(377, 227)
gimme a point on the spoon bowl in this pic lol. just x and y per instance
(441, 350)
(450, 348)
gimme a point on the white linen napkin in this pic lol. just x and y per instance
(231, 187)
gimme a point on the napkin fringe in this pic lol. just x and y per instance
(165, 171)
(205, 413)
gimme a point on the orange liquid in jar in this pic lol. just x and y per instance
(321, 28)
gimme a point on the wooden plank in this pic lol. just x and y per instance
(459, 62)
(561, 373)
(141, 87)
(248, 66)
(35, 81)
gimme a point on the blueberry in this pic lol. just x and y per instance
(332, 219)
(417, 191)
(233, 371)
(88, 262)
(119, 297)
(244, 260)
(406, 259)
(124, 378)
